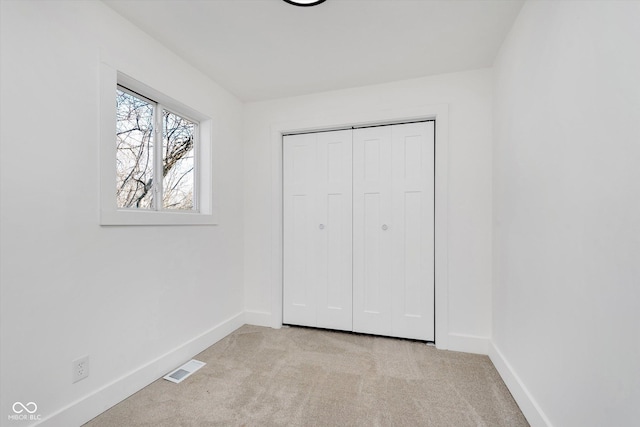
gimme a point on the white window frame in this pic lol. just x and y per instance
(203, 212)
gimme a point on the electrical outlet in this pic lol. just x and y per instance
(79, 369)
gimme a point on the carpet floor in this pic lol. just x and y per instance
(308, 377)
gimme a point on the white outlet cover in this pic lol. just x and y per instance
(76, 375)
(184, 371)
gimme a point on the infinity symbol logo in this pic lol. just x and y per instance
(22, 407)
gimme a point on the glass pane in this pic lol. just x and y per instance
(134, 152)
(178, 138)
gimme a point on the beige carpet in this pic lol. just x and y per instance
(306, 377)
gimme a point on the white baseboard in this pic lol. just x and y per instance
(258, 318)
(90, 406)
(468, 343)
(528, 405)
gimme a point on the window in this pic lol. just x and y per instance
(155, 157)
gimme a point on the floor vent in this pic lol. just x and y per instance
(184, 371)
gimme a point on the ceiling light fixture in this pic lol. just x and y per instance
(305, 2)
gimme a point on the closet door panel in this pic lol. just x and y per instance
(334, 249)
(372, 241)
(300, 186)
(412, 237)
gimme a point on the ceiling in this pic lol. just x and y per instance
(265, 49)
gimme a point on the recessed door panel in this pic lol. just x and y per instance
(372, 254)
(410, 273)
(300, 258)
(335, 251)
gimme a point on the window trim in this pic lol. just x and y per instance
(204, 212)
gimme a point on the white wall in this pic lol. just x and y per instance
(566, 298)
(138, 300)
(468, 95)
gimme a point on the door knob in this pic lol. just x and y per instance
(321, 226)
(384, 227)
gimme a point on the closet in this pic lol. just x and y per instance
(358, 230)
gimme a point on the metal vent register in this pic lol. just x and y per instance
(183, 372)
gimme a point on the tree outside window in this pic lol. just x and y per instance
(141, 160)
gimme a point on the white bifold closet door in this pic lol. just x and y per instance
(317, 212)
(358, 230)
(393, 221)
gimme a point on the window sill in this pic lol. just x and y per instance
(131, 217)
